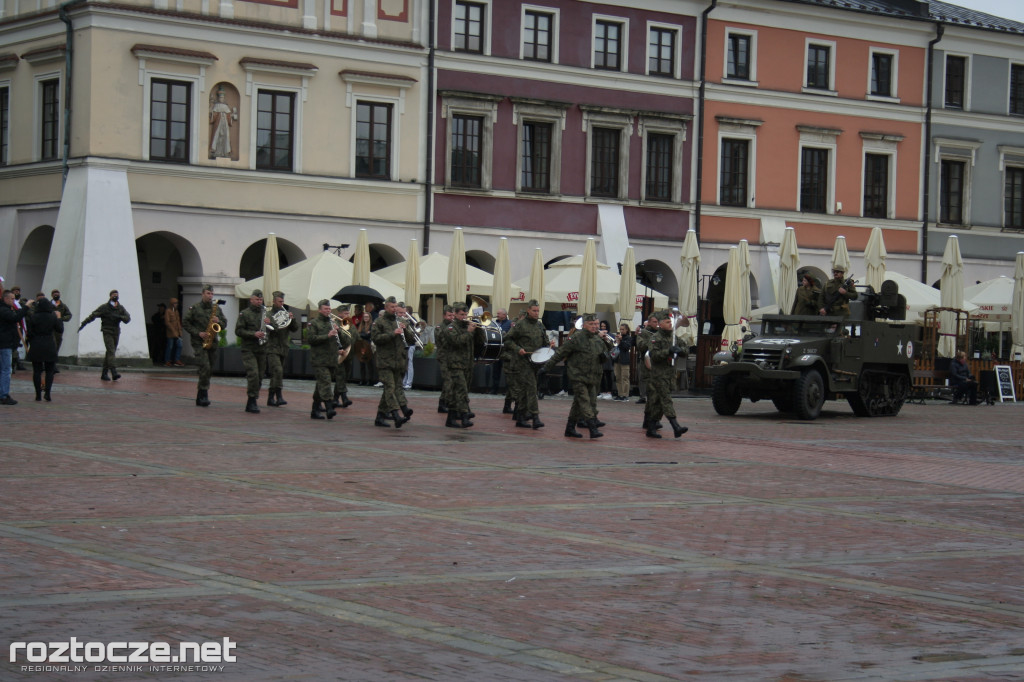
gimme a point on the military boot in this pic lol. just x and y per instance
(676, 428)
(407, 412)
(316, 412)
(465, 420)
(521, 420)
(113, 374)
(345, 402)
(280, 399)
(106, 375)
(570, 429)
(272, 398)
(650, 432)
(202, 400)
(252, 406)
(507, 409)
(399, 419)
(598, 423)
(537, 423)
(381, 420)
(441, 407)
(452, 421)
(592, 426)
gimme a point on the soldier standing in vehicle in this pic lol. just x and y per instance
(837, 293)
(806, 301)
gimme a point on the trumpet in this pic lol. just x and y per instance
(415, 326)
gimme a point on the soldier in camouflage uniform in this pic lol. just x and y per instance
(659, 383)
(249, 330)
(837, 293)
(525, 337)
(442, 359)
(457, 337)
(584, 355)
(111, 314)
(391, 339)
(322, 337)
(278, 340)
(343, 370)
(196, 321)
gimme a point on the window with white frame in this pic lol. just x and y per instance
(374, 139)
(471, 23)
(820, 66)
(610, 38)
(740, 55)
(540, 34)
(48, 118)
(878, 179)
(170, 120)
(1016, 90)
(661, 174)
(539, 152)
(5, 121)
(737, 144)
(608, 134)
(1011, 163)
(955, 159)
(275, 130)
(663, 45)
(884, 69)
(955, 90)
(817, 169)
(469, 139)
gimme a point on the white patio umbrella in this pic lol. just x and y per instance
(562, 282)
(689, 260)
(840, 255)
(361, 260)
(502, 292)
(732, 304)
(874, 260)
(457, 268)
(789, 262)
(951, 296)
(627, 287)
(1017, 307)
(994, 298)
(412, 276)
(920, 297)
(744, 253)
(271, 269)
(588, 279)
(536, 290)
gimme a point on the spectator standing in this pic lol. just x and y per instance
(622, 362)
(43, 323)
(498, 366)
(9, 319)
(172, 328)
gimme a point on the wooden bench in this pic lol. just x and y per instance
(929, 384)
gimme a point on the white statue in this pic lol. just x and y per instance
(221, 115)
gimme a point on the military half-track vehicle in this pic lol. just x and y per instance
(799, 361)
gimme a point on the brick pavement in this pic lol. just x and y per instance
(756, 547)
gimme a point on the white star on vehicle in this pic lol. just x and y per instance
(899, 347)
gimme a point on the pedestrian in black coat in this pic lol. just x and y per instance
(42, 350)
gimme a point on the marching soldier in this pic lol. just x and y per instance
(643, 344)
(527, 336)
(278, 340)
(442, 359)
(343, 370)
(659, 383)
(111, 314)
(249, 328)
(457, 337)
(837, 293)
(584, 359)
(199, 322)
(391, 339)
(806, 301)
(323, 348)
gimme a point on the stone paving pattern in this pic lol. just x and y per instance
(756, 547)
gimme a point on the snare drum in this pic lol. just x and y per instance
(542, 355)
(488, 342)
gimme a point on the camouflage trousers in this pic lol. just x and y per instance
(110, 340)
(322, 390)
(584, 400)
(204, 357)
(341, 374)
(524, 381)
(445, 393)
(275, 363)
(456, 390)
(659, 396)
(392, 397)
(255, 365)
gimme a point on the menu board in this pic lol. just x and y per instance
(1004, 380)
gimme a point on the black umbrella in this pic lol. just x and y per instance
(357, 293)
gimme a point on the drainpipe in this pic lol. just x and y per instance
(69, 40)
(431, 99)
(939, 30)
(700, 113)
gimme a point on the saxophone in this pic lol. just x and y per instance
(212, 327)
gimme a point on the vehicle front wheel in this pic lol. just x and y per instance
(725, 395)
(809, 394)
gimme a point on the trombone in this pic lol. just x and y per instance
(415, 326)
(342, 327)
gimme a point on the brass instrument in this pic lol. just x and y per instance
(281, 319)
(414, 326)
(341, 329)
(263, 326)
(212, 328)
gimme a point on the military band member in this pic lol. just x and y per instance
(584, 354)
(111, 315)
(837, 293)
(643, 344)
(322, 336)
(343, 370)
(391, 338)
(659, 383)
(806, 301)
(278, 340)
(249, 328)
(525, 337)
(442, 359)
(65, 316)
(198, 323)
(457, 337)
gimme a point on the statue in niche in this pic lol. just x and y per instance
(221, 116)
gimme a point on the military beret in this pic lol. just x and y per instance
(322, 302)
(208, 287)
(589, 317)
(278, 294)
(257, 292)
(391, 299)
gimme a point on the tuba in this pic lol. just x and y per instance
(212, 327)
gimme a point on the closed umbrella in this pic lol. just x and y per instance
(627, 286)
(1017, 307)
(840, 256)
(874, 260)
(951, 287)
(412, 276)
(689, 260)
(744, 254)
(361, 261)
(732, 304)
(502, 292)
(271, 268)
(457, 268)
(588, 279)
(789, 262)
(536, 291)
